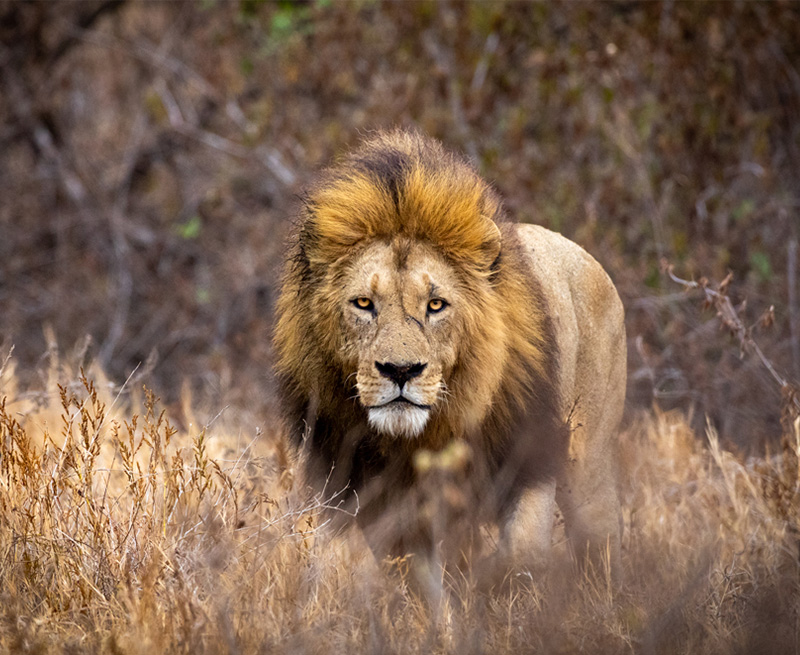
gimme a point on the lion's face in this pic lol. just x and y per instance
(400, 309)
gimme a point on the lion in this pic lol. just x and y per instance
(414, 315)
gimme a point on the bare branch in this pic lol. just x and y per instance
(267, 157)
(482, 69)
(23, 109)
(730, 319)
(5, 361)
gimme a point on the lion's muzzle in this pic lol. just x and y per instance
(398, 396)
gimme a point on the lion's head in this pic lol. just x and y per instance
(393, 307)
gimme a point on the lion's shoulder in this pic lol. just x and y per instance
(569, 274)
(584, 307)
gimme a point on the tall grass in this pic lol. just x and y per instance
(123, 532)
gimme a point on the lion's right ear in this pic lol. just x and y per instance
(311, 250)
(303, 246)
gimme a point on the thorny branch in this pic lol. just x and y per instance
(730, 319)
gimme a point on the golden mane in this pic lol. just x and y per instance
(401, 183)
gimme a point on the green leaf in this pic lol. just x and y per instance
(282, 23)
(203, 296)
(190, 229)
(760, 263)
(745, 208)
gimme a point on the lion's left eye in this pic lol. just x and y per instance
(436, 305)
(364, 303)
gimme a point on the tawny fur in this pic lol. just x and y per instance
(531, 336)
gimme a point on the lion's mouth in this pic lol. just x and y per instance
(398, 402)
(399, 417)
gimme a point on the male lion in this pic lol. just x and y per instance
(414, 314)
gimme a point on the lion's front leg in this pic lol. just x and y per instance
(526, 536)
(592, 517)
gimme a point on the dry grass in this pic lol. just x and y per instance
(121, 533)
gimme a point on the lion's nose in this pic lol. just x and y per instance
(399, 374)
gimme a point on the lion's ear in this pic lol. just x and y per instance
(492, 244)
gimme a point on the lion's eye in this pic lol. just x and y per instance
(363, 302)
(436, 305)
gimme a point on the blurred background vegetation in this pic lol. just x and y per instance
(151, 155)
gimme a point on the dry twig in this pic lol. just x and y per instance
(730, 319)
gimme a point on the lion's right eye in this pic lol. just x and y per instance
(436, 305)
(362, 302)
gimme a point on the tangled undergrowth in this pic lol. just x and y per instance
(123, 532)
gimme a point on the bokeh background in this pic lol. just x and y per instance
(152, 154)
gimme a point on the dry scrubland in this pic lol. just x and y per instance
(122, 533)
(154, 152)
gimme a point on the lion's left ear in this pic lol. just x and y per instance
(492, 244)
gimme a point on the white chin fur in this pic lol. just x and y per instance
(404, 421)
